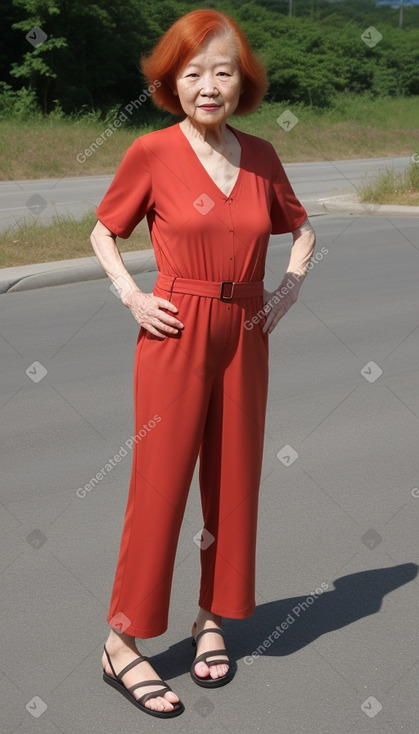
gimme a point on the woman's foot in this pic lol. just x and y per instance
(207, 643)
(122, 651)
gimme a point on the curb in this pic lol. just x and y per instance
(346, 204)
(42, 275)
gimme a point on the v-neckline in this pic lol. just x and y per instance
(239, 175)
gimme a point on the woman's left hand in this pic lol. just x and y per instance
(278, 304)
(280, 301)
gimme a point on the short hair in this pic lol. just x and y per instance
(178, 46)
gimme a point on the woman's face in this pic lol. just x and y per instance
(209, 86)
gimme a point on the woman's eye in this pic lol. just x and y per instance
(194, 74)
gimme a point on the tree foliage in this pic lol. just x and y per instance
(90, 58)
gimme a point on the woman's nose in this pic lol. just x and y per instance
(208, 85)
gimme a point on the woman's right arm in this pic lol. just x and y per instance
(148, 310)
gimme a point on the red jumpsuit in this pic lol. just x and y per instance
(202, 392)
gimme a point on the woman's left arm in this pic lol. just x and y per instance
(277, 303)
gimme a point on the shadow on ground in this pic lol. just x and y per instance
(354, 596)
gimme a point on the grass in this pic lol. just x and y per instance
(391, 187)
(355, 127)
(63, 239)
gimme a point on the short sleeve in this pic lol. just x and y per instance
(287, 212)
(130, 195)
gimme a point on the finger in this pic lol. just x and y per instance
(153, 325)
(157, 318)
(167, 319)
(162, 303)
(268, 322)
(152, 330)
(158, 323)
(166, 328)
(266, 297)
(272, 320)
(162, 321)
(268, 328)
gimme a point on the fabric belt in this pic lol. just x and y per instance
(226, 290)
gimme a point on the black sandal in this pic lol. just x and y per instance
(139, 703)
(209, 682)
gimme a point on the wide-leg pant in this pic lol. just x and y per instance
(200, 393)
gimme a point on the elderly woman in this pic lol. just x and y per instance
(212, 196)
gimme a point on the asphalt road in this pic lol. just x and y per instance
(31, 200)
(338, 527)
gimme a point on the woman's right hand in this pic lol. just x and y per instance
(150, 312)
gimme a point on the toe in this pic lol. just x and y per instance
(202, 670)
(159, 704)
(171, 697)
(167, 702)
(218, 671)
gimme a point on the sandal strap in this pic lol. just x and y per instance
(118, 676)
(204, 632)
(210, 654)
(110, 661)
(130, 665)
(163, 687)
(147, 696)
(154, 694)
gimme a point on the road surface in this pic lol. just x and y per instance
(30, 200)
(333, 642)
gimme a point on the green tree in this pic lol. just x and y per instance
(91, 56)
(36, 66)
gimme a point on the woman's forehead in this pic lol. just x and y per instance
(221, 50)
(215, 59)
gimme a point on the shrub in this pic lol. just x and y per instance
(18, 104)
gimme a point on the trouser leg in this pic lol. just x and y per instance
(166, 388)
(230, 468)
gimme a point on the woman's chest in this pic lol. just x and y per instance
(222, 167)
(190, 207)
(223, 172)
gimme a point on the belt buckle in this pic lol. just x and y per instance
(229, 295)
